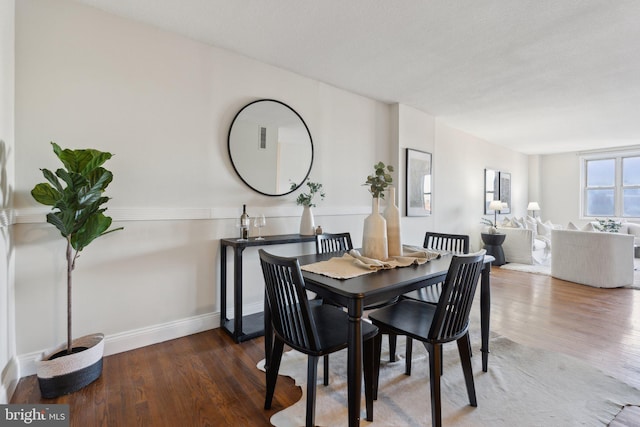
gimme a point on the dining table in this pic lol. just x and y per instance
(375, 287)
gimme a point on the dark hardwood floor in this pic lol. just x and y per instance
(207, 380)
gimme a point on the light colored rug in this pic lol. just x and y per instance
(524, 387)
(545, 269)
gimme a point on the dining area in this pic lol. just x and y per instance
(314, 305)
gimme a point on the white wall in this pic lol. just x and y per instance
(8, 362)
(460, 161)
(162, 104)
(560, 188)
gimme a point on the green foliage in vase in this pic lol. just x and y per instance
(306, 199)
(608, 225)
(75, 195)
(380, 180)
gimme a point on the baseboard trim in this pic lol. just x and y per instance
(10, 378)
(136, 338)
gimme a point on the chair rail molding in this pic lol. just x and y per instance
(38, 215)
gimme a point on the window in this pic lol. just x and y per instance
(611, 185)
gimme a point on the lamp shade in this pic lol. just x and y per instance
(533, 206)
(495, 205)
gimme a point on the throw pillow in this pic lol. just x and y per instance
(589, 227)
(543, 229)
(571, 226)
(531, 225)
(506, 222)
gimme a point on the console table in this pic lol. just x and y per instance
(250, 326)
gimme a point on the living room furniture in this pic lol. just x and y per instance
(314, 330)
(593, 258)
(521, 246)
(245, 328)
(435, 325)
(493, 245)
(380, 286)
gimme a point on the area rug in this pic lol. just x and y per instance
(523, 387)
(545, 269)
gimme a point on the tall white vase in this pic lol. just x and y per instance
(392, 216)
(374, 235)
(307, 224)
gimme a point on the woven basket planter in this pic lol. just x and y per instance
(60, 373)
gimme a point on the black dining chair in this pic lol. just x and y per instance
(435, 325)
(339, 242)
(453, 243)
(315, 330)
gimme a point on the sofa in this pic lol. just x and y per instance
(523, 246)
(593, 258)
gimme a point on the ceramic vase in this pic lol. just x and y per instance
(374, 235)
(392, 216)
(307, 224)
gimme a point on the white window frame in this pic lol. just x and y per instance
(618, 193)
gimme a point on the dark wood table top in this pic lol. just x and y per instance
(380, 285)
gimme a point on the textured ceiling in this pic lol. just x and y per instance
(538, 76)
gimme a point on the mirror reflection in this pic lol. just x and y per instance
(270, 147)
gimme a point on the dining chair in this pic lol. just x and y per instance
(314, 330)
(435, 325)
(339, 242)
(454, 243)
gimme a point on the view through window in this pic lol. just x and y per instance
(611, 185)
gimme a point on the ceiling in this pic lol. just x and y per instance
(537, 76)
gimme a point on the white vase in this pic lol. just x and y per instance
(374, 235)
(307, 225)
(392, 216)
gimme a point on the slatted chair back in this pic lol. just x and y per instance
(451, 319)
(454, 243)
(335, 242)
(287, 300)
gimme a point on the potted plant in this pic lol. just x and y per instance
(307, 223)
(608, 225)
(374, 236)
(75, 194)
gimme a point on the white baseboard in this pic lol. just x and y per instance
(136, 338)
(10, 378)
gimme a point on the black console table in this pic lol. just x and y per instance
(250, 326)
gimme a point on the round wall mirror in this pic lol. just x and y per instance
(270, 147)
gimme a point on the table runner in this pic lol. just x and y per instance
(353, 264)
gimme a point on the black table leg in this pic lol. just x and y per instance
(354, 363)
(485, 312)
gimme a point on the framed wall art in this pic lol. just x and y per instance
(419, 192)
(497, 186)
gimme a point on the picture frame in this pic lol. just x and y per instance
(505, 192)
(419, 185)
(497, 186)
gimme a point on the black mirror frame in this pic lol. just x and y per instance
(236, 169)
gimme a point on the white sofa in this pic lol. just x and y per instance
(522, 246)
(593, 258)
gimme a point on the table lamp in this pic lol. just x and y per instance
(533, 207)
(495, 206)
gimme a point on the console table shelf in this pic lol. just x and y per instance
(251, 326)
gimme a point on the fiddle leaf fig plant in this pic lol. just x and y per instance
(75, 194)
